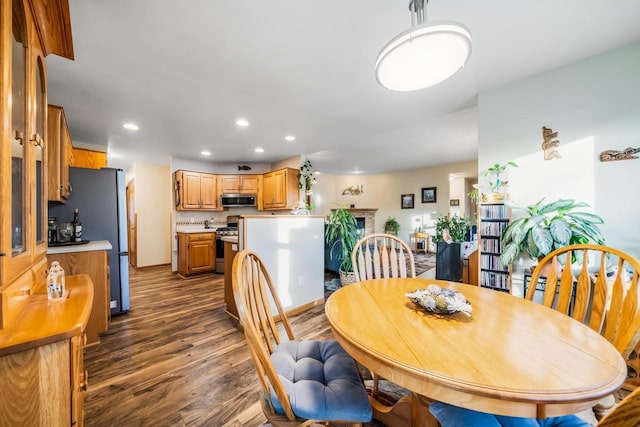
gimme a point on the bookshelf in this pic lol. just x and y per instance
(493, 218)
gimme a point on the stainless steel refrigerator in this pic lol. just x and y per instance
(100, 197)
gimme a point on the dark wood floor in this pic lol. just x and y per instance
(175, 359)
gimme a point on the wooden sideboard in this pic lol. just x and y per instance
(42, 376)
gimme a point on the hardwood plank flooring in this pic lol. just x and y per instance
(175, 359)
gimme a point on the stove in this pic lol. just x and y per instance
(226, 231)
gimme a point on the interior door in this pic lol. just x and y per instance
(132, 224)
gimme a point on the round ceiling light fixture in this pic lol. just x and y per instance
(424, 55)
(130, 126)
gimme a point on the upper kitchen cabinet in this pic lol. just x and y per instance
(29, 30)
(195, 191)
(238, 184)
(59, 152)
(89, 159)
(280, 189)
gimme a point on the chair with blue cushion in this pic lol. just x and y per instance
(625, 414)
(302, 381)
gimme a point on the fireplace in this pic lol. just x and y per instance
(366, 219)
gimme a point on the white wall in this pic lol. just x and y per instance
(153, 209)
(594, 105)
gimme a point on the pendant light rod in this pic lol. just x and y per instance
(417, 11)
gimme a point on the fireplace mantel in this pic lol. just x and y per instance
(369, 215)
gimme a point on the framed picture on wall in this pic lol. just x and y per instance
(454, 202)
(406, 201)
(429, 195)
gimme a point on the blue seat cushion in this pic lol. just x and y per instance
(454, 416)
(321, 380)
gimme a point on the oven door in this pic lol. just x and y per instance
(219, 255)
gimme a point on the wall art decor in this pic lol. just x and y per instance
(613, 155)
(429, 195)
(354, 190)
(406, 201)
(454, 202)
(549, 144)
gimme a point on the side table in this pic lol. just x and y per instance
(419, 236)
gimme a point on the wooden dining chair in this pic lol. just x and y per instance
(303, 382)
(600, 289)
(376, 256)
(624, 414)
(381, 255)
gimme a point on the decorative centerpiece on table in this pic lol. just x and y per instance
(439, 300)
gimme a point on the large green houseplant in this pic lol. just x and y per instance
(457, 227)
(391, 226)
(546, 227)
(341, 234)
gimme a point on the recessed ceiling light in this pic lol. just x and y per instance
(243, 123)
(357, 171)
(130, 126)
(205, 153)
(290, 138)
(259, 150)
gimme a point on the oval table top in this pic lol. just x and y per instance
(511, 356)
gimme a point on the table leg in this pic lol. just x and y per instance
(420, 415)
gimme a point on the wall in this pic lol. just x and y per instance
(384, 192)
(594, 105)
(152, 204)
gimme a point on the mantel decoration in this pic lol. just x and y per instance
(498, 185)
(549, 144)
(354, 190)
(613, 155)
(438, 300)
(425, 54)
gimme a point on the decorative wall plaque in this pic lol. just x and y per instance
(613, 155)
(354, 190)
(549, 144)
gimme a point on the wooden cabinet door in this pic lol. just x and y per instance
(79, 380)
(59, 152)
(229, 184)
(208, 193)
(275, 189)
(190, 190)
(248, 184)
(201, 256)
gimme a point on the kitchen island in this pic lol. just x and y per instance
(292, 249)
(91, 259)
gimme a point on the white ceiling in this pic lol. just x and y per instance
(186, 70)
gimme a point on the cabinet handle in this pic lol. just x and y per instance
(84, 383)
(37, 140)
(19, 136)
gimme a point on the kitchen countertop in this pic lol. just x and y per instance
(195, 229)
(232, 239)
(95, 245)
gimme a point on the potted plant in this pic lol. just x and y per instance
(341, 234)
(497, 183)
(391, 226)
(450, 231)
(546, 227)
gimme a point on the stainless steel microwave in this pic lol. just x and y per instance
(236, 200)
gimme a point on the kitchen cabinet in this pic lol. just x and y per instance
(95, 264)
(90, 159)
(60, 154)
(196, 253)
(280, 189)
(196, 191)
(230, 251)
(238, 184)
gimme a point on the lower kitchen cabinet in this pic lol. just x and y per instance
(196, 253)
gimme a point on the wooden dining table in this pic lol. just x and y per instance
(511, 356)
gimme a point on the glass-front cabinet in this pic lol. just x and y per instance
(29, 30)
